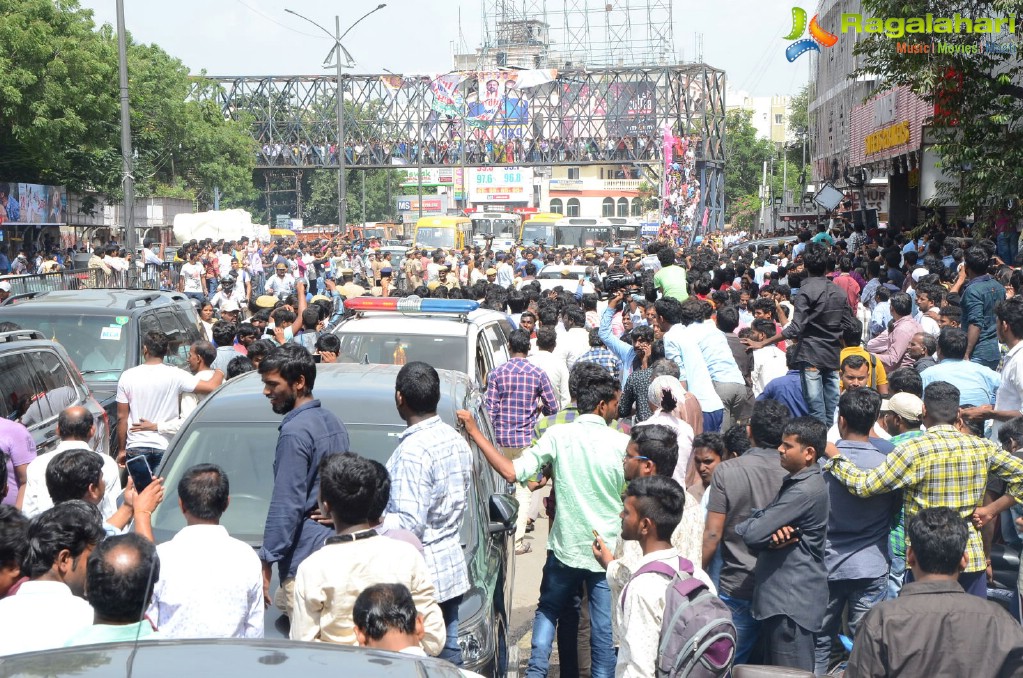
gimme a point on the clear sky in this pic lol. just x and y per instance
(257, 37)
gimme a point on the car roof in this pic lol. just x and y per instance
(97, 300)
(357, 393)
(421, 324)
(251, 658)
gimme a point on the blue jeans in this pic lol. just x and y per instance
(1005, 245)
(153, 455)
(820, 390)
(747, 629)
(452, 651)
(559, 585)
(712, 421)
(896, 575)
(860, 595)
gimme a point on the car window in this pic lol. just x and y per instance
(444, 353)
(498, 344)
(17, 385)
(484, 359)
(245, 450)
(179, 338)
(96, 344)
(54, 386)
(148, 322)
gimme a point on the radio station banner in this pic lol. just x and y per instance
(500, 184)
(32, 204)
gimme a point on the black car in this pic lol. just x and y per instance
(236, 429)
(38, 381)
(102, 330)
(223, 658)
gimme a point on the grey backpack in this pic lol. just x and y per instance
(698, 637)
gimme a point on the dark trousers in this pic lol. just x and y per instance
(787, 643)
(574, 638)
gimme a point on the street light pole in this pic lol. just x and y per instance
(128, 181)
(342, 178)
(338, 51)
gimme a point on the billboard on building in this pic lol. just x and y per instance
(32, 204)
(500, 184)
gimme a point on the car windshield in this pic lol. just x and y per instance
(558, 273)
(97, 344)
(245, 450)
(444, 353)
(435, 237)
(532, 232)
(582, 236)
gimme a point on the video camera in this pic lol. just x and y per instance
(620, 281)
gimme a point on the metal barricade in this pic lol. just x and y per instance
(164, 276)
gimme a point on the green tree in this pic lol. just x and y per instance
(977, 95)
(746, 155)
(321, 205)
(59, 111)
(58, 96)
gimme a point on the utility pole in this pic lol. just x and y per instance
(127, 180)
(763, 200)
(339, 51)
(342, 180)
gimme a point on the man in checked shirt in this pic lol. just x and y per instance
(430, 474)
(941, 468)
(517, 393)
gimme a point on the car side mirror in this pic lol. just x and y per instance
(503, 511)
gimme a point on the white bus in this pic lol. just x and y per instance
(503, 227)
(627, 230)
(583, 232)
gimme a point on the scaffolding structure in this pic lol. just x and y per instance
(577, 117)
(568, 34)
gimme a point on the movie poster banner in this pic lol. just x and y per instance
(32, 204)
(502, 105)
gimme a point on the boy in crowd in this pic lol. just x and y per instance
(788, 536)
(329, 580)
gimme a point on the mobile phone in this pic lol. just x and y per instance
(316, 357)
(141, 474)
(596, 535)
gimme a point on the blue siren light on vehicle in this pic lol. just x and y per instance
(412, 304)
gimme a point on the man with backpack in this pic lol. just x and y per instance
(667, 615)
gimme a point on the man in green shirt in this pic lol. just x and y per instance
(587, 457)
(671, 279)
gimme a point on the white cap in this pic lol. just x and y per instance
(230, 306)
(5, 286)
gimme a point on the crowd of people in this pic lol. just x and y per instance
(484, 150)
(811, 439)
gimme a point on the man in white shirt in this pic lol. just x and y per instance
(50, 607)
(200, 357)
(552, 365)
(282, 284)
(768, 362)
(76, 427)
(211, 584)
(575, 342)
(150, 392)
(192, 275)
(648, 499)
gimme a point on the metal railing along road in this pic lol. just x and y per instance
(151, 277)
